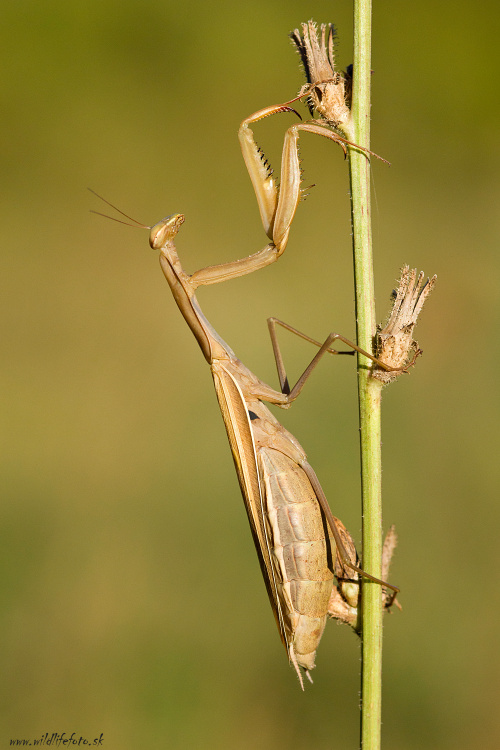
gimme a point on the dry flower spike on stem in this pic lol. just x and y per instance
(395, 345)
(328, 90)
(325, 86)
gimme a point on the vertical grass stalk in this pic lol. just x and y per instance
(369, 390)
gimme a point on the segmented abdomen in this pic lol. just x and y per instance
(303, 560)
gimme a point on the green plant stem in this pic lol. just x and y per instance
(369, 390)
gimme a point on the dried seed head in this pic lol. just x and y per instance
(326, 86)
(395, 345)
(318, 60)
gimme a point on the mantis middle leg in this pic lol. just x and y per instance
(323, 349)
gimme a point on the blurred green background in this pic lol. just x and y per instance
(132, 602)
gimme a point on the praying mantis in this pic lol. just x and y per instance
(299, 542)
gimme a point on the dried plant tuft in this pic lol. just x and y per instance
(395, 345)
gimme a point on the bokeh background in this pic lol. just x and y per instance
(131, 602)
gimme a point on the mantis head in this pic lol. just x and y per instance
(165, 231)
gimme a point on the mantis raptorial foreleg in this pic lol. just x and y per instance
(328, 93)
(278, 204)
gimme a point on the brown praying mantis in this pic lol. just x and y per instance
(298, 539)
(299, 542)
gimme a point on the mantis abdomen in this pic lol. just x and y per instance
(303, 556)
